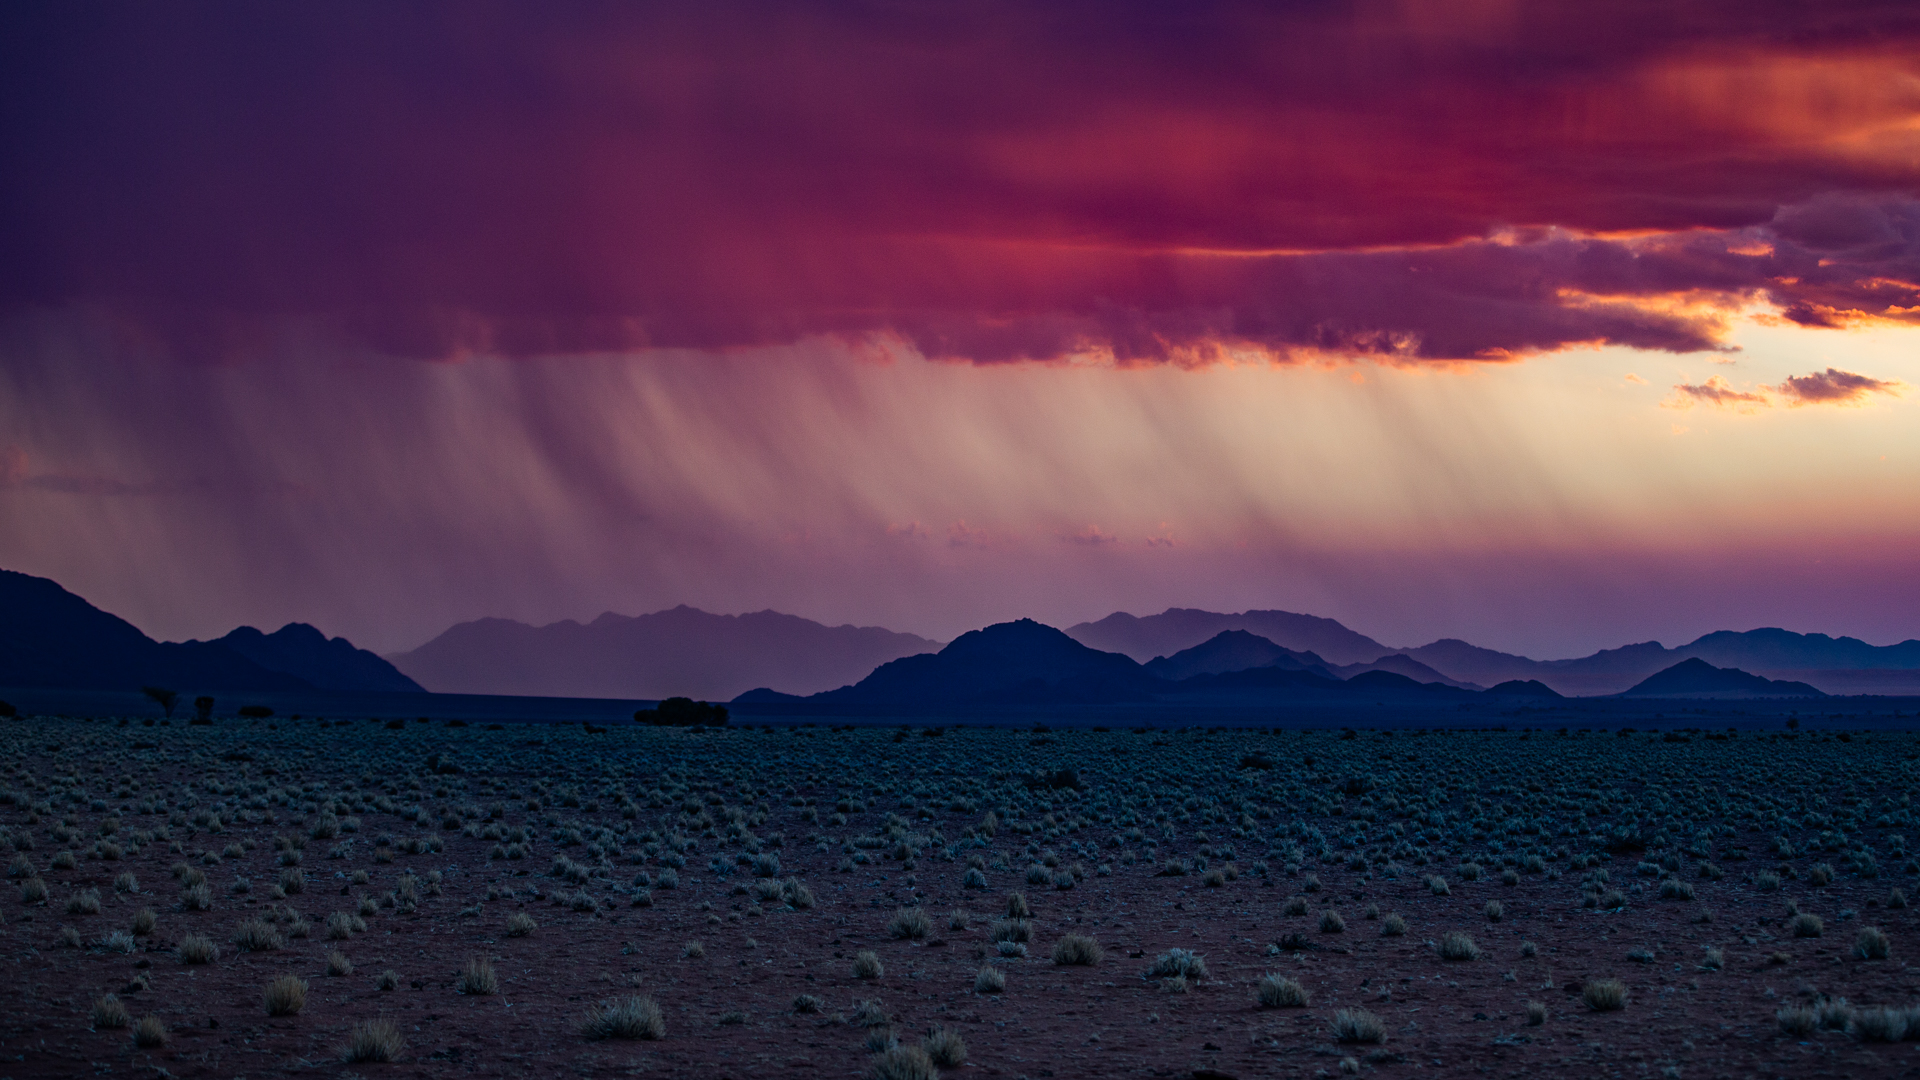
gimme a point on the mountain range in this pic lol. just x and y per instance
(1837, 665)
(52, 638)
(1027, 663)
(681, 651)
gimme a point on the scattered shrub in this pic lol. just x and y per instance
(1331, 922)
(1797, 1021)
(520, 924)
(109, 1014)
(632, 1017)
(1358, 1026)
(1077, 950)
(286, 996)
(198, 949)
(1806, 924)
(867, 965)
(1458, 945)
(1604, 995)
(150, 1032)
(1280, 992)
(477, 978)
(338, 964)
(989, 980)
(945, 1047)
(902, 1063)
(1393, 926)
(909, 923)
(1536, 1013)
(1880, 1025)
(373, 1040)
(1871, 944)
(1178, 962)
(806, 1003)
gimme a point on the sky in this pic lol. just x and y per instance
(1551, 327)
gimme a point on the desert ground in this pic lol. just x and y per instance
(286, 897)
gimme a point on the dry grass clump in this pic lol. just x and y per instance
(1017, 906)
(1077, 950)
(867, 965)
(257, 935)
(1178, 963)
(1797, 1021)
(1010, 930)
(945, 1047)
(373, 1040)
(520, 924)
(109, 1014)
(150, 1032)
(126, 883)
(388, 980)
(1880, 1025)
(909, 923)
(286, 996)
(1458, 945)
(902, 1063)
(807, 1003)
(1604, 995)
(1358, 1026)
(1295, 905)
(33, 891)
(1536, 1013)
(1437, 885)
(1280, 992)
(1806, 924)
(477, 978)
(958, 919)
(868, 1013)
(632, 1017)
(1393, 926)
(1493, 911)
(1331, 922)
(84, 902)
(338, 964)
(1871, 944)
(198, 949)
(989, 980)
(197, 897)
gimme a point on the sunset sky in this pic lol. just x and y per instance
(1548, 326)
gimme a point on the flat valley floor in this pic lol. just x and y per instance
(815, 901)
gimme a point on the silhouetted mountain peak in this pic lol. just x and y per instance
(1695, 677)
(1233, 650)
(330, 664)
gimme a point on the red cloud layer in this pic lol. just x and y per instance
(987, 182)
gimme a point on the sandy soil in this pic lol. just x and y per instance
(70, 779)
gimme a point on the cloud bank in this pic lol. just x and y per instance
(1136, 183)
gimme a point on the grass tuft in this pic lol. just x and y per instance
(902, 1063)
(1280, 992)
(632, 1017)
(373, 1040)
(1604, 995)
(1358, 1026)
(945, 1047)
(1077, 950)
(1458, 945)
(286, 996)
(109, 1014)
(477, 978)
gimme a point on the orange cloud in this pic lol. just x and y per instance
(1717, 392)
(1832, 387)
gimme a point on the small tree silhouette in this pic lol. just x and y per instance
(162, 697)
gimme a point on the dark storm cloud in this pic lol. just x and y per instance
(987, 182)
